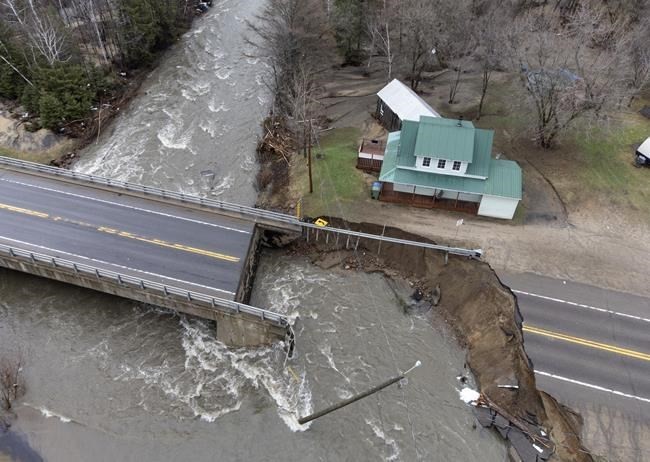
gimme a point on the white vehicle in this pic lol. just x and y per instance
(642, 156)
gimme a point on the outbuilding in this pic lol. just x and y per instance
(397, 102)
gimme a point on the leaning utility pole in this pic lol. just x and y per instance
(311, 184)
(373, 390)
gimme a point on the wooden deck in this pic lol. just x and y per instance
(370, 165)
(388, 194)
(373, 155)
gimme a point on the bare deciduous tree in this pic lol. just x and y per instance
(566, 74)
(293, 36)
(639, 55)
(381, 34)
(41, 30)
(421, 32)
(489, 51)
(12, 385)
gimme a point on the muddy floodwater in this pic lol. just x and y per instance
(113, 380)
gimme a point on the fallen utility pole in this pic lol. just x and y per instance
(373, 390)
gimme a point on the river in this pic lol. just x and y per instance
(109, 379)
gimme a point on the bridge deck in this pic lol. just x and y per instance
(186, 248)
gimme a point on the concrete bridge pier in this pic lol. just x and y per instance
(237, 331)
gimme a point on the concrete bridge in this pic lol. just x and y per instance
(183, 252)
(141, 243)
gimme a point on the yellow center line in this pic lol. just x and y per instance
(125, 234)
(185, 248)
(588, 343)
(11, 208)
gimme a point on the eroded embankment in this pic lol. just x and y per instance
(482, 312)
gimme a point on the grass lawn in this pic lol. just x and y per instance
(609, 165)
(338, 185)
(41, 157)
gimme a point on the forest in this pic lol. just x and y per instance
(577, 59)
(59, 59)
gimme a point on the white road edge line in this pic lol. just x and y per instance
(132, 207)
(580, 305)
(595, 387)
(115, 265)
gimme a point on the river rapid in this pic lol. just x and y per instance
(109, 379)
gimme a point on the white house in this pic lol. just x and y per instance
(444, 162)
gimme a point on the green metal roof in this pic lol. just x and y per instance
(445, 138)
(390, 154)
(480, 165)
(409, 134)
(504, 179)
(434, 180)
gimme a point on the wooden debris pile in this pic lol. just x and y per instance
(277, 140)
(273, 153)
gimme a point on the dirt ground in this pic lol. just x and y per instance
(587, 241)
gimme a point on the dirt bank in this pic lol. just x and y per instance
(481, 311)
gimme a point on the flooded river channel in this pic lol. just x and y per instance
(113, 380)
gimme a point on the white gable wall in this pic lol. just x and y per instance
(448, 170)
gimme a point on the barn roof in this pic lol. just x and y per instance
(405, 102)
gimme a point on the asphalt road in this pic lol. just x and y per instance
(591, 349)
(194, 250)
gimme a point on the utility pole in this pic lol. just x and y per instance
(311, 184)
(373, 390)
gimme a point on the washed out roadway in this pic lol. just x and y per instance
(170, 244)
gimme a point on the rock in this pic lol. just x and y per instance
(435, 295)
(13, 135)
(417, 295)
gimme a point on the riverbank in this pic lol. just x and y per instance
(478, 307)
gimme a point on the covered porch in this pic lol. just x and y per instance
(388, 194)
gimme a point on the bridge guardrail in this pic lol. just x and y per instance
(215, 302)
(252, 212)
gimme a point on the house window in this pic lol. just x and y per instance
(456, 165)
(441, 163)
(426, 161)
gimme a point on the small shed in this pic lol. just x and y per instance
(643, 153)
(397, 102)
